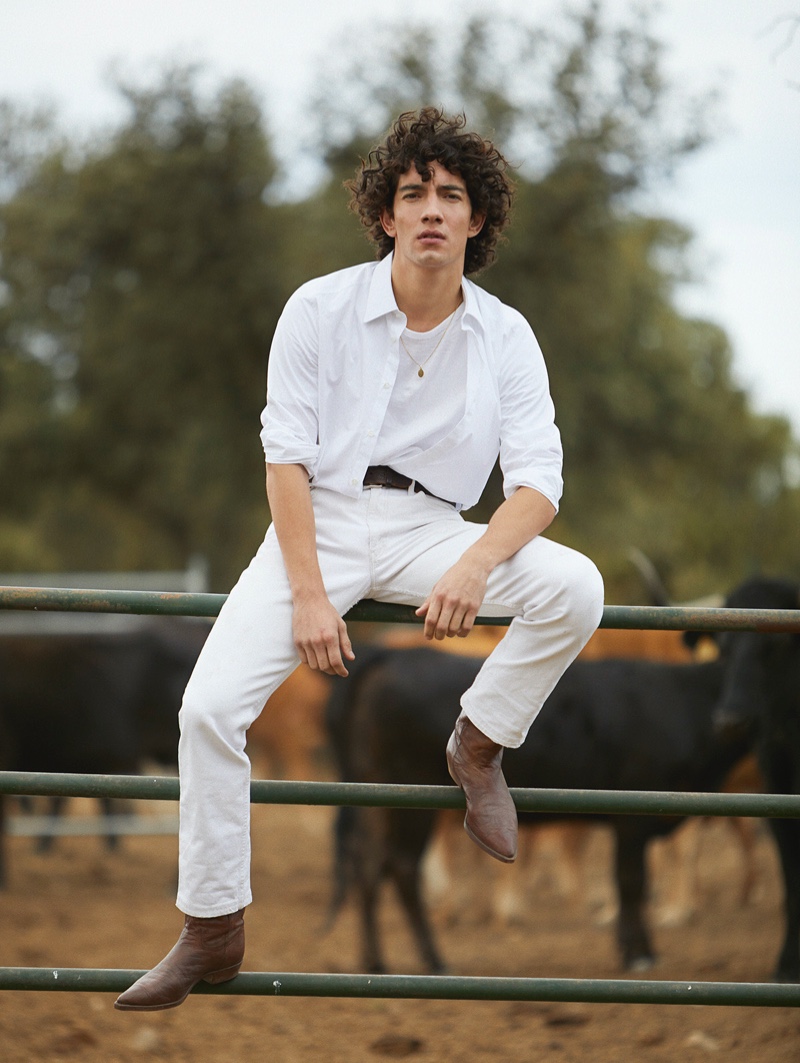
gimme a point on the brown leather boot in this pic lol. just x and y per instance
(473, 761)
(208, 950)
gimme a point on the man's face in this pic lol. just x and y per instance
(431, 220)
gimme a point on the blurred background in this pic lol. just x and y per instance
(169, 174)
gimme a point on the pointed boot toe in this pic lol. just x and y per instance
(208, 950)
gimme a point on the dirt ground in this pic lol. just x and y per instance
(85, 907)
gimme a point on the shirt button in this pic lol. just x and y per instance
(385, 386)
(370, 435)
(354, 482)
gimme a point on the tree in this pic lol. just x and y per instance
(143, 290)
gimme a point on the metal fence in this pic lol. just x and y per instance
(324, 793)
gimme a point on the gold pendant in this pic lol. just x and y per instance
(420, 373)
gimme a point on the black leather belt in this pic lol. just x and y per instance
(383, 476)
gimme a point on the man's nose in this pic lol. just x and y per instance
(432, 208)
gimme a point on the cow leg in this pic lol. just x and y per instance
(787, 836)
(359, 867)
(371, 959)
(438, 865)
(507, 885)
(108, 807)
(3, 877)
(745, 831)
(679, 870)
(631, 875)
(408, 838)
(55, 808)
(368, 863)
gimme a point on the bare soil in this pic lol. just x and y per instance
(85, 907)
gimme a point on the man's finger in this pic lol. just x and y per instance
(431, 619)
(328, 658)
(336, 664)
(443, 624)
(467, 622)
(321, 658)
(345, 645)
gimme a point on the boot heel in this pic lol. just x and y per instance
(225, 975)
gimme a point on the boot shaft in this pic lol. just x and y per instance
(222, 933)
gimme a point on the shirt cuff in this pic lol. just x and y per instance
(549, 486)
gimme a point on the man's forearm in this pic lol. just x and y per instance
(523, 516)
(320, 634)
(289, 497)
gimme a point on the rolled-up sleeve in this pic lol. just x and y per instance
(290, 419)
(530, 443)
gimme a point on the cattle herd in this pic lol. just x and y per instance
(108, 703)
(94, 703)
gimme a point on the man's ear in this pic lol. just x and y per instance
(476, 223)
(387, 221)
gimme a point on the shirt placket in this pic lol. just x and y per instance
(383, 380)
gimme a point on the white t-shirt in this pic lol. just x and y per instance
(441, 390)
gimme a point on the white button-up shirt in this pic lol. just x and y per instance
(332, 367)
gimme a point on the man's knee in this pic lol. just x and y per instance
(205, 710)
(577, 591)
(587, 593)
(218, 710)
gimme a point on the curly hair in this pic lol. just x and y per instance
(419, 139)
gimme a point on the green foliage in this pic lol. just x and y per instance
(141, 278)
(144, 288)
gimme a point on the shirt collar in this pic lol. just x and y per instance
(471, 305)
(381, 300)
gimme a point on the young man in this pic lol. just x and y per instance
(392, 388)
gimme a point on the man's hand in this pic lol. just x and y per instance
(320, 636)
(451, 607)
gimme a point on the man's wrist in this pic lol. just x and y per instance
(308, 594)
(481, 556)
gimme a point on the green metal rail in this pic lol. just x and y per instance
(397, 795)
(161, 603)
(425, 987)
(631, 991)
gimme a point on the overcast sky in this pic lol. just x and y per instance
(741, 196)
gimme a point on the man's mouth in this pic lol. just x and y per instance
(431, 234)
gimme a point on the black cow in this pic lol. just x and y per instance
(610, 724)
(94, 703)
(761, 697)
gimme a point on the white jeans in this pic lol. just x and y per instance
(389, 545)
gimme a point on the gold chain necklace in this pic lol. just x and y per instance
(419, 365)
